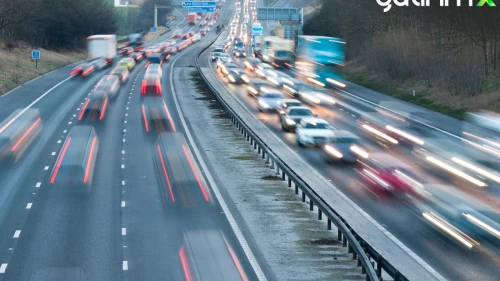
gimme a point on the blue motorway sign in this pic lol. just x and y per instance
(35, 54)
(201, 9)
(152, 29)
(199, 4)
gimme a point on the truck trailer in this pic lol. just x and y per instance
(280, 52)
(191, 18)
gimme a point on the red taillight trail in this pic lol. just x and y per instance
(195, 173)
(59, 161)
(185, 265)
(237, 263)
(83, 109)
(25, 134)
(145, 120)
(89, 161)
(169, 117)
(166, 175)
(104, 109)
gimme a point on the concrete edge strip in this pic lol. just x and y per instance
(239, 235)
(342, 195)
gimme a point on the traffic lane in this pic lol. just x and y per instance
(397, 217)
(47, 221)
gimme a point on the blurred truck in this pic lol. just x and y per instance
(320, 58)
(191, 18)
(280, 52)
(102, 47)
(136, 41)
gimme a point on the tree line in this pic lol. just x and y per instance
(456, 48)
(55, 23)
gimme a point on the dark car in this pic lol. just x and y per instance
(75, 164)
(84, 69)
(239, 53)
(225, 68)
(214, 56)
(126, 51)
(255, 86)
(137, 56)
(155, 58)
(345, 146)
(121, 72)
(95, 106)
(292, 115)
(286, 103)
(252, 63)
(155, 115)
(237, 76)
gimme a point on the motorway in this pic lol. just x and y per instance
(399, 217)
(130, 227)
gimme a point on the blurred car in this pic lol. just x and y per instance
(203, 32)
(155, 58)
(75, 163)
(237, 76)
(221, 61)
(126, 51)
(95, 106)
(263, 69)
(137, 56)
(155, 48)
(313, 131)
(214, 56)
(225, 68)
(191, 33)
(207, 255)
(146, 52)
(155, 115)
(154, 69)
(345, 146)
(239, 53)
(83, 69)
(109, 84)
(151, 85)
(252, 63)
(256, 86)
(458, 215)
(99, 63)
(121, 72)
(185, 36)
(303, 91)
(218, 50)
(286, 103)
(268, 99)
(17, 134)
(293, 115)
(374, 126)
(279, 78)
(384, 173)
(293, 88)
(127, 62)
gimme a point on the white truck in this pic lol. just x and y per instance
(102, 47)
(280, 52)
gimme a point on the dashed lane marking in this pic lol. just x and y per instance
(38, 184)
(17, 233)
(28, 206)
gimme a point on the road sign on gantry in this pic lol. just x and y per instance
(201, 9)
(199, 4)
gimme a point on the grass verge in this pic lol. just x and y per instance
(363, 79)
(17, 67)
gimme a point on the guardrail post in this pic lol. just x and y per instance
(251, 141)
(289, 182)
(267, 159)
(263, 154)
(303, 196)
(320, 214)
(254, 145)
(296, 189)
(258, 150)
(329, 224)
(272, 164)
(344, 241)
(379, 266)
(311, 205)
(349, 248)
(283, 175)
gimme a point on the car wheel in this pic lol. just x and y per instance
(283, 127)
(299, 142)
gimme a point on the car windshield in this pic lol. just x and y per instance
(289, 104)
(300, 112)
(216, 54)
(273, 96)
(346, 140)
(317, 126)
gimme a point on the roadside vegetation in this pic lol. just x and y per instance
(450, 56)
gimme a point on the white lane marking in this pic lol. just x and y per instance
(59, 141)
(125, 265)
(65, 131)
(38, 184)
(78, 109)
(124, 130)
(31, 104)
(74, 115)
(123, 204)
(239, 235)
(125, 121)
(123, 166)
(123, 182)
(17, 233)
(70, 123)
(124, 231)
(123, 151)
(123, 140)
(353, 115)
(3, 267)
(53, 153)
(127, 108)
(28, 206)
(126, 114)
(183, 18)
(46, 168)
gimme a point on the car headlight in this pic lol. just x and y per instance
(245, 78)
(290, 122)
(333, 151)
(260, 73)
(251, 89)
(231, 78)
(263, 104)
(265, 57)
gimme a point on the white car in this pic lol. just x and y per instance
(268, 99)
(313, 131)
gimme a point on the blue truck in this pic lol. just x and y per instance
(320, 59)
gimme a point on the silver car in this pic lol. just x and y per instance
(268, 100)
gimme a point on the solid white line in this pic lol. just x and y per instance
(38, 184)
(123, 204)
(17, 233)
(28, 206)
(3, 267)
(31, 104)
(248, 252)
(125, 265)
(46, 168)
(124, 231)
